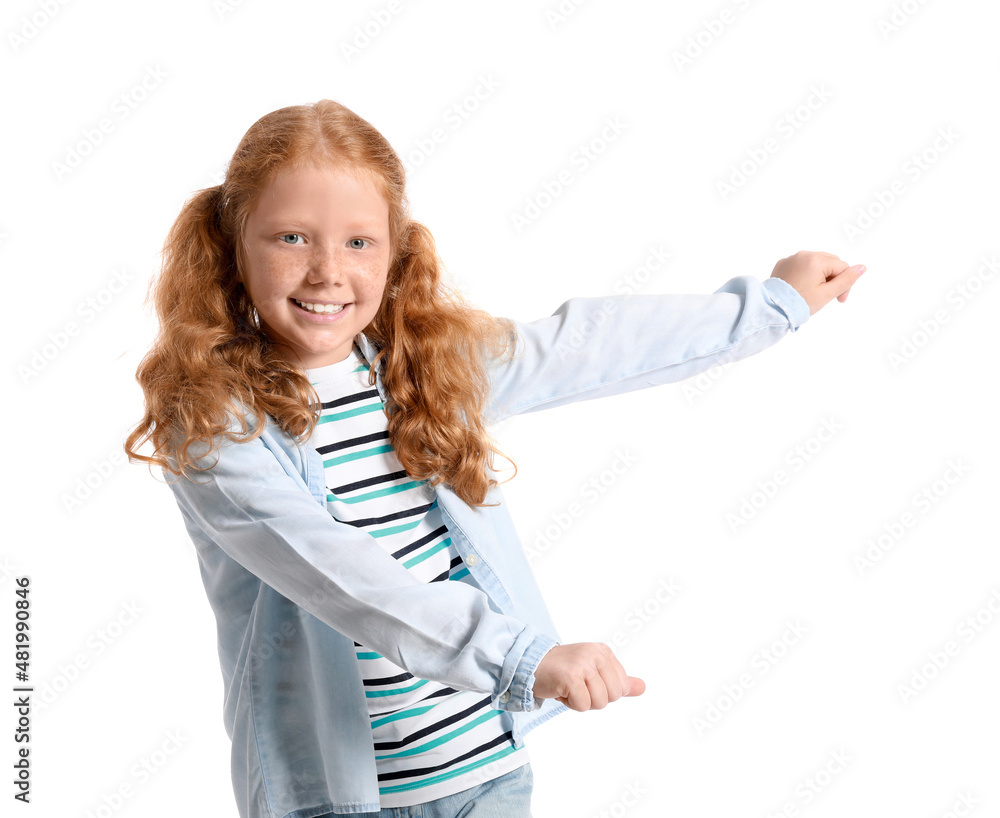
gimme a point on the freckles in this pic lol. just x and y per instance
(284, 272)
(375, 283)
(370, 277)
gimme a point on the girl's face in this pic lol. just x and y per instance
(317, 251)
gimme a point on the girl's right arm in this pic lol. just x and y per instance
(254, 505)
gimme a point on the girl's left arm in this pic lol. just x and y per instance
(595, 347)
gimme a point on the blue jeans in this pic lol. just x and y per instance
(508, 796)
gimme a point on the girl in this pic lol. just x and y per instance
(318, 402)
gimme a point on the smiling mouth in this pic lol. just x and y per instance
(319, 309)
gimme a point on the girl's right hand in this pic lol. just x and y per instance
(584, 676)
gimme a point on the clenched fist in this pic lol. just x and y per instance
(584, 676)
(818, 277)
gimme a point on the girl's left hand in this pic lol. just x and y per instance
(818, 277)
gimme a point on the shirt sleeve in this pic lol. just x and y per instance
(265, 518)
(595, 347)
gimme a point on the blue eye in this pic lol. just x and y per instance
(287, 235)
(358, 248)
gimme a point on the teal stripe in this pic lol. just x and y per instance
(350, 413)
(403, 714)
(396, 529)
(347, 458)
(445, 776)
(371, 495)
(369, 655)
(459, 574)
(430, 745)
(428, 553)
(375, 694)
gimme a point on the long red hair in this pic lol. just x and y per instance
(212, 357)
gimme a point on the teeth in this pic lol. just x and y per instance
(319, 308)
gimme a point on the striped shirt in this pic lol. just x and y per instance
(430, 740)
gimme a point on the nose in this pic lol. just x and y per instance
(326, 266)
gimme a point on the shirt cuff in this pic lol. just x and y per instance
(788, 300)
(517, 682)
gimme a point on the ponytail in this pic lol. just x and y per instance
(211, 358)
(434, 347)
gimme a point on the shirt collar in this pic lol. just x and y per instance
(367, 347)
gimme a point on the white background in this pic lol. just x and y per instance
(150, 681)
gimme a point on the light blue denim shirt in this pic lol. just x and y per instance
(292, 588)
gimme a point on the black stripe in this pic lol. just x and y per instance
(398, 515)
(454, 564)
(437, 694)
(388, 680)
(413, 546)
(444, 691)
(427, 770)
(371, 481)
(354, 441)
(330, 404)
(395, 745)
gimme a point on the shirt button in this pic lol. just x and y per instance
(505, 697)
(472, 559)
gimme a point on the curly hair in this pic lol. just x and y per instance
(212, 357)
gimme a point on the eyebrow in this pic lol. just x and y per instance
(362, 225)
(280, 219)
